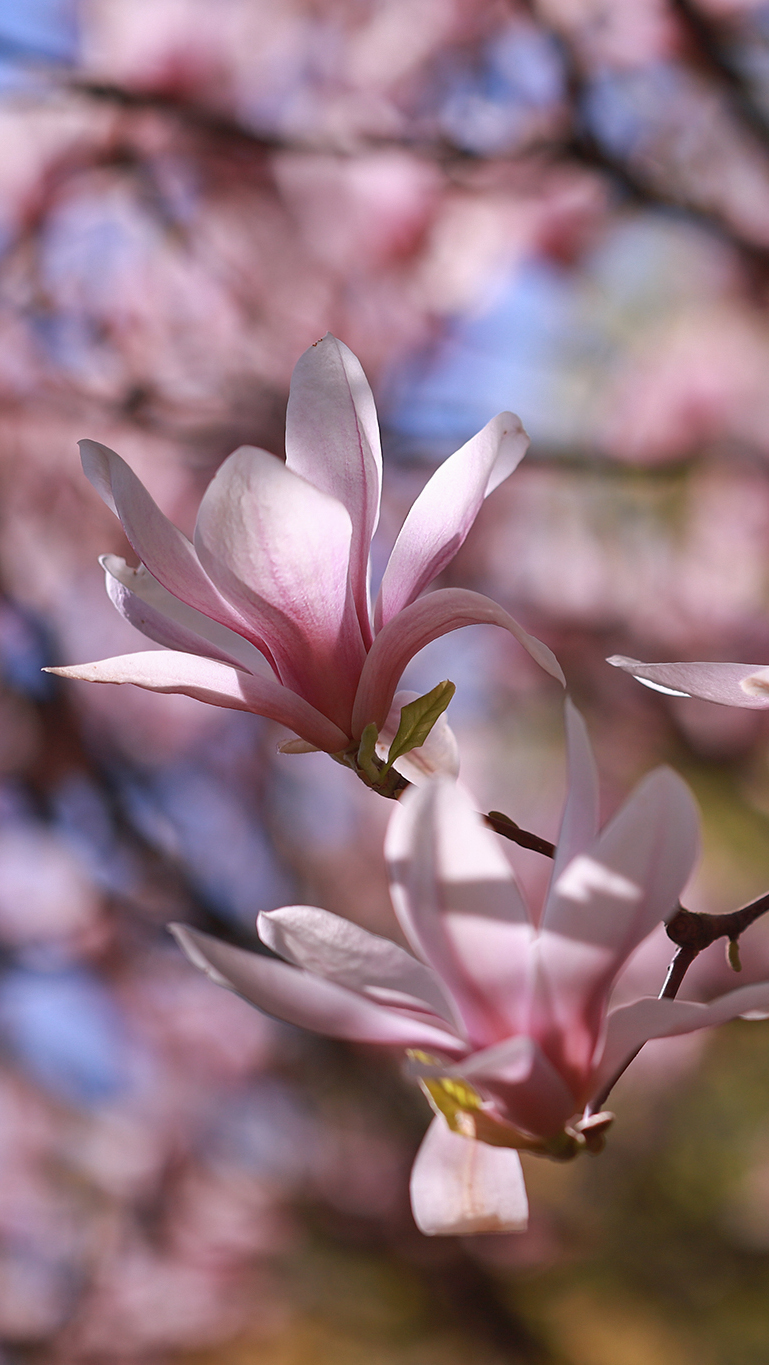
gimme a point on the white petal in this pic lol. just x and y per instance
(460, 1187)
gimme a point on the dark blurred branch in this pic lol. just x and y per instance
(694, 932)
(714, 57)
(502, 824)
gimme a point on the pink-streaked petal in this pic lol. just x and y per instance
(442, 515)
(278, 548)
(629, 1027)
(299, 998)
(728, 684)
(161, 546)
(340, 951)
(437, 757)
(332, 440)
(416, 626)
(458, 904)
(579, 823)
(460, 1187)
(214, 682)
(524, 1083)
(148, 606)
(605, 901)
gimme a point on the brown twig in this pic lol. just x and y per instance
(502, 824)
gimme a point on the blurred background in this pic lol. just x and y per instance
(558, 207)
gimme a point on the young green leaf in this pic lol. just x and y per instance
(418, 718)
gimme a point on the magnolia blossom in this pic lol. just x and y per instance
(505, 1014)
(268, 610)
(730, 684)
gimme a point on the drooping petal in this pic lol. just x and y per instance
(460, 1187)
(728, 684)
(629, 1027)
(214, 682)
(579, 823)
(332, 440)
(416, 626)
(442, 515)
(299, 998)
(340, 951)
(148, 606)
(605, 901)
(161, 546)
(278, 548)
(457, 902)
(438, 756)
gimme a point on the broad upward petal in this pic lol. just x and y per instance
(161, 546)
(445, 510)
(579, 823)
(416, 626)
(458, 904)
(278, 548)
(332, 440)
(728, 684)
(603, 904)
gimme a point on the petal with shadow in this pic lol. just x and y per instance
(459, 906)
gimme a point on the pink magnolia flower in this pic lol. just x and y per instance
(730, 684)
(268, 610)
(506, 1015)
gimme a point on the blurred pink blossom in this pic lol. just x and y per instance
(512, 1005)
(279, 571)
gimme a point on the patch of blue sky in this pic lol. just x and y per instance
(489, 103)
(35, 34)
(505, 356)
(66, 1032)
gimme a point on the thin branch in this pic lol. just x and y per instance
(502, 824)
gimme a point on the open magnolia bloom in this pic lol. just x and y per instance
(730, 684)
(268, 610)
(505, 1016)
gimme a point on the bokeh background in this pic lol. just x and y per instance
(561, 207)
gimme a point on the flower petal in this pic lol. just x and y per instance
(605, 901)
(161, 546)
(278, 548)
(729, 684)
(458, 904)
(340, 951)
(579, 823)
(299, 998)
(214, 682)
(148, 606)
(460, 1187)
(438, 756)
(521, 1078)
(442, 515)
(416, 626)
(332, 440)
(629, 1027)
